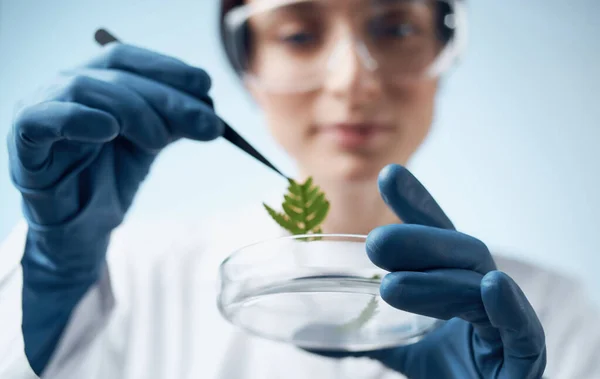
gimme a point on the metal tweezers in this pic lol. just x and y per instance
(103, 37)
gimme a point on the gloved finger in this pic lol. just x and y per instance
(405, 247)
(520, 329)
(151, 114)
(40, 126)
(183, 115)
(152, 65)
(409, 199)
(441, 294)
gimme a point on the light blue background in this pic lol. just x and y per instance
(513, 158)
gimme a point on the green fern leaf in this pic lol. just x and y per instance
(318, 203)
(312, 194)
(293, 201)
(293, 213)
(283, 221)
(304, 208)
(307, 185)
(318, 216)
(295, 189)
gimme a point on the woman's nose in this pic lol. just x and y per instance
(352, 72)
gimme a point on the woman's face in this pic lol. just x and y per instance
(356, 119)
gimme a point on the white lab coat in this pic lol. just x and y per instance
(153, 314)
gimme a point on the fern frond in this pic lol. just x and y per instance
(293, 201)
(312, 194)
(307, 185)
(318, 202)
(318, 216)
(304, 208)
(293, 213)
(282, 220)
(295, 189)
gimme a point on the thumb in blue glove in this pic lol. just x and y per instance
(490, 329)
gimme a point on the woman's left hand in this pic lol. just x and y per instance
(491, 330)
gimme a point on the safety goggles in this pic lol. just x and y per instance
(295, 45)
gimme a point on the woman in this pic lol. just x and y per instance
(348, 90)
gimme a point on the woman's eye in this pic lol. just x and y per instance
(393, 30)
(401, 30)
(299, 39)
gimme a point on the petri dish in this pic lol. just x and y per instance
(316, 291)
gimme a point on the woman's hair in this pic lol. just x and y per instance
(226, 6)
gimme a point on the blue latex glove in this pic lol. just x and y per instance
(490, 329)
(78, 156)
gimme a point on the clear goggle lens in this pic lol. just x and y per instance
(294, 45)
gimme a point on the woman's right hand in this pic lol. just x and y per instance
(78, 155)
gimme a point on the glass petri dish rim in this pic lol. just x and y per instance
(330, 236)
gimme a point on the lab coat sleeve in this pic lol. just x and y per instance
(571, 322)
(13, 363)
(82, 348)
(93, 342)
(568, 315)
(76, 350)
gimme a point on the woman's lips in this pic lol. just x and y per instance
(352, 136)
